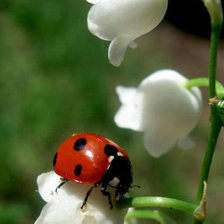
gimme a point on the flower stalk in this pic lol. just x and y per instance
(215, 36)
(149, 214)
(162, 202)
(204, 82)
(213, 137)
(214, 8)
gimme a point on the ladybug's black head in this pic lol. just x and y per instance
(118, 175)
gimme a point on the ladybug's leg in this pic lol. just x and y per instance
(106, 193)
(118, 193)
(62, 183)
(88, 193)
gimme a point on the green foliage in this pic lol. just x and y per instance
(14, 213)
(53, 83)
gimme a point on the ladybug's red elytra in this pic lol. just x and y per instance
(93, 159)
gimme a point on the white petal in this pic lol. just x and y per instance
(47, 183)
(129, 114)
(126, 94)
(158, 143)
(117, 50)
(185, 143)
(56, 212)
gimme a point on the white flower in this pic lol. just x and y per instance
(64, 206)
(122, 21)
(162, 108)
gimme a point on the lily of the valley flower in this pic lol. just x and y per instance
(162, 108)
(122, 21)
(64, 206)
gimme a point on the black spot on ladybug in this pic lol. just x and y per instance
(78, 170)
(110, 150)
(55, 158)
(80, 144)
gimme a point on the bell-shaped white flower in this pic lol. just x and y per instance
(122, 21)
(65, 205)
(162, 108)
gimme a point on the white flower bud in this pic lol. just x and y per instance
(162, 108)
(122, 21)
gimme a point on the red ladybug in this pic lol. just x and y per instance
(94, 159)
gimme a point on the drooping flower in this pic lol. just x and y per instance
(122, 21)
(64, 206)
(162, 108)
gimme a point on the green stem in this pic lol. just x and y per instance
(155, 215)
(200, 82)
(163, 202)
(213, 136)
(215, 123)
(215, 36)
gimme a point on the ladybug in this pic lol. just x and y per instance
(93, 159)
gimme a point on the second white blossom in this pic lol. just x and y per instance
(162, 108)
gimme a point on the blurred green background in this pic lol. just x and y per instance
(55, 80)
